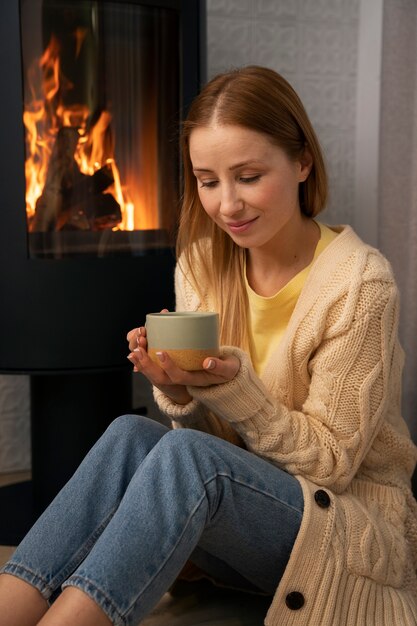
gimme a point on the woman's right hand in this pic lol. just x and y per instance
(154, 373)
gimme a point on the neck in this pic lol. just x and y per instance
(271, 268)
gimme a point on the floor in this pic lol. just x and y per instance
(192, 604)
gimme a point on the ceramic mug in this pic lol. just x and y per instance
(188, 337)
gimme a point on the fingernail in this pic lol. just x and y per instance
(211, 365)
(138, 353)
(161, 356)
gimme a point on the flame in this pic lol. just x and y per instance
(80, 34)
(43, 118)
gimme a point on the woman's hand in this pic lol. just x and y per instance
(171, 379)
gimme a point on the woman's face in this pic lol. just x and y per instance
(246, 184)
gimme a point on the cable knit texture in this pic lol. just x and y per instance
(327, 410)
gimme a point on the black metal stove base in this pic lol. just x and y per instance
(69, 412)
(17, 512)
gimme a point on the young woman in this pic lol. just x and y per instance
(288, 468)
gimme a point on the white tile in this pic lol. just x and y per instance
(14, 423)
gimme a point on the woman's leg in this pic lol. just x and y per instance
(192, 490)
(65, 533)
(74, 607)
(189, 489)
(21, 604)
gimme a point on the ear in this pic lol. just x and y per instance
(306, 164)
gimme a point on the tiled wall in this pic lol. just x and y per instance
(14, 423)
(313, 43)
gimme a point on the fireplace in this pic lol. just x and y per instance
(101, 92)
(92, 96)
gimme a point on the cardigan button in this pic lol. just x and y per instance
(294, 600)
(322, 498)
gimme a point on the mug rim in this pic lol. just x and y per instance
(182, 314)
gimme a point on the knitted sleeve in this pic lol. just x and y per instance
(350, 381)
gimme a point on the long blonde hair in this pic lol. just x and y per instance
(259, 99)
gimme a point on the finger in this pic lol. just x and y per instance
(132, 358)
(142, 342)
(226, 368)
(175, 374)
(138, 339)
(135, 359)
(145, 365)
(132, 333)
(178, 376)
(133, 343)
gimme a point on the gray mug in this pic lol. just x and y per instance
(188, 337)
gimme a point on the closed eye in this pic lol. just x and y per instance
(249, 179)
(246, 180)
(208, 183)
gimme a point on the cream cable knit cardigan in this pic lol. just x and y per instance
(327, 410)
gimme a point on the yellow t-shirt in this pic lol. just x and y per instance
(269, 317)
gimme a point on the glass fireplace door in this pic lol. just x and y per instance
(101, 105)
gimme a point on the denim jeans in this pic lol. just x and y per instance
(144, 501)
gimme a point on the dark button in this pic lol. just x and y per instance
(294, 600)
(322, 498)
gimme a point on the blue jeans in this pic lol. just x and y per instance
(144, 501)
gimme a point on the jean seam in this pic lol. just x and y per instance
(17, 569)
(73, 579)
(48, 588)
(169, 555)
(163, 564)
(79, 556)
(267, 494)
(80, 582)
(192, 513)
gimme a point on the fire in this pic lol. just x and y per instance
(63, 150)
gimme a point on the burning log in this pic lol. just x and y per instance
(72, 200)
(62, 171)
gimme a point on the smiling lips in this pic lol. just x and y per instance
(240, 227)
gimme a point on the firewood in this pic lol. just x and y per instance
(63, 173)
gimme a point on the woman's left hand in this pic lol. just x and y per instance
(215, 370)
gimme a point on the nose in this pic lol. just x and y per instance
(230, 201)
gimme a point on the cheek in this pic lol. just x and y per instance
(280, 193)
(208, 203)
(266, 196)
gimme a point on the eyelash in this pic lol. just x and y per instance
(246, 180)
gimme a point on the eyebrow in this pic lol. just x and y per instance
(233, 167)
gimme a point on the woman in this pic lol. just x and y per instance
(304, 491)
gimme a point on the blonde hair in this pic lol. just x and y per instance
(259, 99)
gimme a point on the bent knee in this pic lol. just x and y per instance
(132, 426)
(183, 439)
